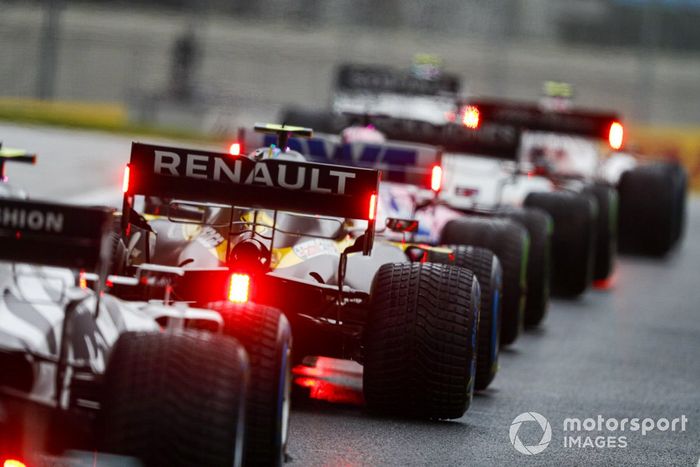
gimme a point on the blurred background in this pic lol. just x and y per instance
(206, 67)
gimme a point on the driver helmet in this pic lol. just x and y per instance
(273, 152)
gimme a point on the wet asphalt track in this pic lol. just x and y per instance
(633, 351)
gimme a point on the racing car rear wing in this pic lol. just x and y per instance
(399, 162)
(382, 79)
(489, 140)
(275, 183)
(54, 234)
(532, 117)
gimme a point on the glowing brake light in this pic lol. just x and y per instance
(13, 463)
(238, 288)
(235, 149)
(436, 178)
(372, 206)
(470, 117)
(616, 135)
(126, 181)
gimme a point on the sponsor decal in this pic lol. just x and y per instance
(247, 172)
(31, 219)
(314, 247)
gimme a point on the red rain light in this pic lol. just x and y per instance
(372, 206)
(616, 135)
(235, 149)
(126, 181)
(436, 178)
(470, 117)
(13, 463)
(82, 280)
(238, 288)
(307, 382)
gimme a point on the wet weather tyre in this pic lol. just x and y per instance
(175, 399)
(420, 340)
(539, 226)
(573, 238)
(510, 242)
(266, 336)
(652, 208)
(485, 265)
(606, 229)
(319, 120)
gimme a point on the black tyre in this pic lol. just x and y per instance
(420, 340)
(320, 121)
(175, 399)
(485, 265)
(539, 226)
(652, 208)
(606, 229)
(510, 241)
(573, 239)
(267, 338)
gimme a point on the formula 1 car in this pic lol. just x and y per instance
(405, 166)
(642, 204)
(514, 234)
(273, 230)
(479, 182)
(429, 102)
(379, 89)
(82, 370)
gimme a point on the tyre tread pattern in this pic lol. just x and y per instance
(539, 226)
(256, 327)
(174, 399)
(510, 242)
(485, 265)
(420, 341)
